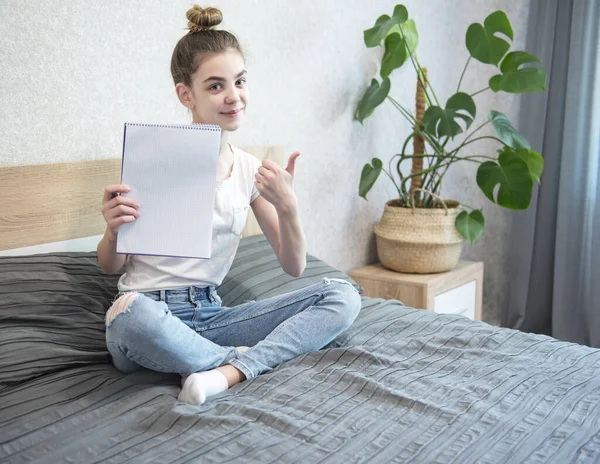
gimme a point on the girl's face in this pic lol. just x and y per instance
(219, 91)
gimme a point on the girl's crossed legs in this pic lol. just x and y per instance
(187, 331)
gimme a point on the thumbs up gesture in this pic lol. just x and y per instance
(276, 185)
(292, 163)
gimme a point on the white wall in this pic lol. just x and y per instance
(73, 71)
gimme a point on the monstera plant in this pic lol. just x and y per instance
(507, 176)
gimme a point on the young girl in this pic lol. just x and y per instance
(168, 316)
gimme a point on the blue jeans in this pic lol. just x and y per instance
(187, 330)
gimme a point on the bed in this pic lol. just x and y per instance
(400, 385)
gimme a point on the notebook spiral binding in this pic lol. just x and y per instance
(196, 126)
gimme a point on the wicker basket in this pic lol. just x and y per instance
(419, 240)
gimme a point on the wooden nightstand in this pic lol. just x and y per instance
(458, 291)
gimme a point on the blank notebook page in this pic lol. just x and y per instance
(172, 171)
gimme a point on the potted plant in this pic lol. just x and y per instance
(420, 232)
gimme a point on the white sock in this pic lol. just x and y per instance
(241, 349)
(200, 385)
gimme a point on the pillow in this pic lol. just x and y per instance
(52, 313)
(52, 305)
(256, 274)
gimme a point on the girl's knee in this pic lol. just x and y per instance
(135, 315)
(354, 304)
(122, 305)
(143, 309)
(347, 295)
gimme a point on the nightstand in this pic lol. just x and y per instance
(458, 291)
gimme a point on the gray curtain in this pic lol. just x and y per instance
(554, 264)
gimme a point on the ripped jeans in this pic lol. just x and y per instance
(187, 330)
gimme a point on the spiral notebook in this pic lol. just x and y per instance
(172, 171)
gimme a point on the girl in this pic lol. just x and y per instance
(168, 316)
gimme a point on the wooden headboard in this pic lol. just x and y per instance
(47, 203)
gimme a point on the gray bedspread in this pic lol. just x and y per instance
(400, 385)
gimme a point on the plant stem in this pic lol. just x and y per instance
(464, 144)
(439, 150)
(393, 181)
(401, 155)
(417, 67)
(407, 115)
(401, 178)
(429, 179)
(408, 139)
(422, 155)
(472, 134)
(472, 158)
(433, 176)
(403, 110)
(438, 185)
(429, 176)
(428, 82)
(479, 91)
(463, 73)
(443, 165)
(430, 169)
(416, 173)
(407, 157)
(452, 158)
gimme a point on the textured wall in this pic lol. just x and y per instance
(73, 71)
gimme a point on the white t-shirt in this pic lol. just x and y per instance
(232, 200)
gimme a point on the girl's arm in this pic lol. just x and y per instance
(117, 210)
(283, 230)
(108, 258)
(276, 210)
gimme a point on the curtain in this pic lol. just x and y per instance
(554, 263)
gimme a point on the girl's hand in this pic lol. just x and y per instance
(118, 209)
(276, 185)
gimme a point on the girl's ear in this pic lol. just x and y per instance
(185, 95)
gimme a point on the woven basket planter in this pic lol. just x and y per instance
(419, 240)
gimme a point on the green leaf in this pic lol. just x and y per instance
(411, 36)
(395, 54)
(442, 122)
(483, 44)
(535, 163)
(513, 60)
(506, 131)
(524, 80)
(401, 40)
(384, 23)
(512, 173)
(519, 80)
(470, 226)
(373, 97)
(368, 177)
(409, 31)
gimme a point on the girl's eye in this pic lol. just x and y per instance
(219, 86)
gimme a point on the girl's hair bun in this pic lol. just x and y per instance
(201, 19)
